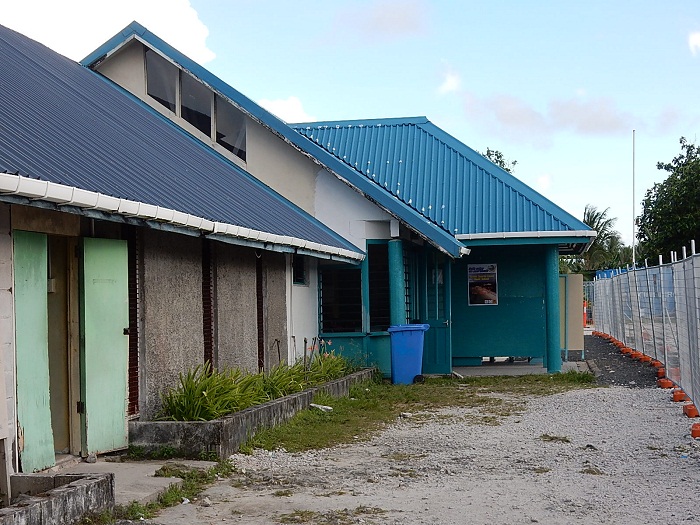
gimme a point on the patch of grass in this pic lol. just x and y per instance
(557, 439)
(283, 493)
(541, 470)
(595, 471)
(373, 404)
(298, 516)
(360, 514)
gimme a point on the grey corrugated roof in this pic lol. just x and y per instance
(63, 123)
(444, 180)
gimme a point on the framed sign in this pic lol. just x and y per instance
(483, 284)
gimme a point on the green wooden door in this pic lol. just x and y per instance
(104, 315)
(437, 353)
(36, 448)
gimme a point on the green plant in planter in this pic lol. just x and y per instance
(205, 394)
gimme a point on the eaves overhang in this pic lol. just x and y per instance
(569, 241)
(76, 200)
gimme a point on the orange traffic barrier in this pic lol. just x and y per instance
(679, 395)
(656, 363)
(645, 359)
(691, 410)
(664, 383)
(661, 373)
(626, 350)
(695, 430)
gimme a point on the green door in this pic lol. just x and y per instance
(36, 449)
(437, 354)
(104, 315)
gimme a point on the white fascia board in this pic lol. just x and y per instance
(71, 196)
(526, 235)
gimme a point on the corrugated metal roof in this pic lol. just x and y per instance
(64, 123)
(437, 236)
(441, 178)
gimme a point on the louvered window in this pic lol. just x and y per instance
(341, 300)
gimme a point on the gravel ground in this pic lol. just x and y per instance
(617, 455)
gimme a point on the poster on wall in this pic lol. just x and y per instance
(483, 284)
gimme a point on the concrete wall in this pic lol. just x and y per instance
(348, 213)
(303, 311)
(7, 337)
(236, 312)
(275, 302)
(127, 68)
(172, 313)
(280, 166)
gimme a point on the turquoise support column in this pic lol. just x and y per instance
(553, 355)
(397, 285)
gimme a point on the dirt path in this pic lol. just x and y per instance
(610, 455)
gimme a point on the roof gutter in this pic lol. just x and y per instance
(526, 235)
(62, 195)
(586, 236)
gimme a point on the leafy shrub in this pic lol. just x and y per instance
(205, 394)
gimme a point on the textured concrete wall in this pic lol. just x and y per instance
(275, 301)
(172, 313)
(236, 307)
(55, 499)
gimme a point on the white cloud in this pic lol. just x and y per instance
(694, 42)
(289, 109)
(450, 83)
(517, 119)
(543, 183)
(75, 28)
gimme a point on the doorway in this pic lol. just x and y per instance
(63, 344)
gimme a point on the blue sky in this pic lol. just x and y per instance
(557, 86)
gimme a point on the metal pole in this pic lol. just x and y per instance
(634, 225)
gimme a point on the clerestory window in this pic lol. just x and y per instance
(197, 104)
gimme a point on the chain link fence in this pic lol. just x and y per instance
(656, 311)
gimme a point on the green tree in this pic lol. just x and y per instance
(606, 251)
(499, 159)
(670, 216)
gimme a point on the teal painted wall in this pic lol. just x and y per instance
(517, 325)
(372, 350)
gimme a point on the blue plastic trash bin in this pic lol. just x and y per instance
(406, 352)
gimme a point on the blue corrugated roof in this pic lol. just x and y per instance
(438, 236)
(441, 178)
(63, 123)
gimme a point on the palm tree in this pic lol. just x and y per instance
(606, 250)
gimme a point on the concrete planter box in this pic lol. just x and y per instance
(224, 436)
(55, 499)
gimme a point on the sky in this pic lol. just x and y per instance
(587, 96)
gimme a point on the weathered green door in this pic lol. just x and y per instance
(437, 354)
(36, 448)
(104, 315)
